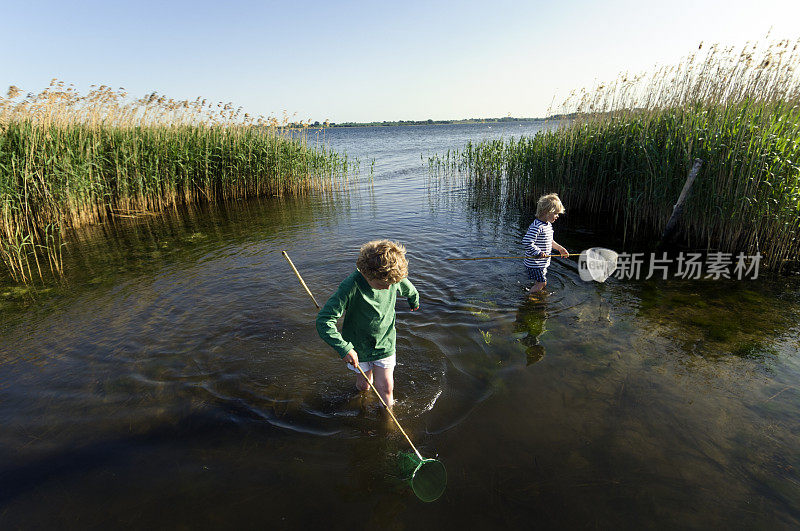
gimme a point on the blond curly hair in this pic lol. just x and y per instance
(383, 260)
(549, 204)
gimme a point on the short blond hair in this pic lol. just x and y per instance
(383, 260)
(549, 204)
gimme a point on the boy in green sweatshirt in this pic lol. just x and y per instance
(367, 299)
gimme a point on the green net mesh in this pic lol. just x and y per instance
(427, 477)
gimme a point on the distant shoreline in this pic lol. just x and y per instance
(436, 122)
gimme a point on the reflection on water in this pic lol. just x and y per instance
(529, 328)
(176, 379)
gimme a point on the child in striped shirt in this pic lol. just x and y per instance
(539, 243)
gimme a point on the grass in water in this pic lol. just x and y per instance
(68, 160)
(624, 152)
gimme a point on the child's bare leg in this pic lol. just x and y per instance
(537, 287)
(361, 383)
(384, 383)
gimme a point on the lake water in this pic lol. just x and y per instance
(176, 380)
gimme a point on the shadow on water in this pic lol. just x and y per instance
(197, 429)
(246, 469)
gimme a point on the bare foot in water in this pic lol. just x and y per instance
(538, 296)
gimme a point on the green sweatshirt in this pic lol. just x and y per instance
(368, 325)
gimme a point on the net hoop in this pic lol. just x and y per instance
(597, 264)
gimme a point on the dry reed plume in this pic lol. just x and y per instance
(625, 148)
(68, 159)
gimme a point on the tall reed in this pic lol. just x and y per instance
(624, 153)
(68, 160)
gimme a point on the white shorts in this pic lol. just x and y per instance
(383, 363)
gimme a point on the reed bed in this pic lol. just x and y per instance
(68, 160)
(624, 153)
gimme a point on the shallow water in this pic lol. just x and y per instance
(176, 379)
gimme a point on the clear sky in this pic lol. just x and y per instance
(368, 61)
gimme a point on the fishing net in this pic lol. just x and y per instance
(597, 264)
(427, 477)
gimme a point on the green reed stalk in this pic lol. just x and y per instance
(68, 160)
(623, 157)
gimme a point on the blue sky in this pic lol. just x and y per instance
(365, 61)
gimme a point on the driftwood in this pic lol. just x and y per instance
(677, 210)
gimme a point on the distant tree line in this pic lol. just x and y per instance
(431, 122)
(317, 123)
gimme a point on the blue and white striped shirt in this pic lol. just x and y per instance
(538, 240)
